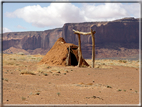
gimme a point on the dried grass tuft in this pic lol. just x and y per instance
(27, 72)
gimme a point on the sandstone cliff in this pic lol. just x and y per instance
(112, 38)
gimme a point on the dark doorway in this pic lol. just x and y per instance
(74, 61)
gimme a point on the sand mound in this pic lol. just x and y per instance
(58, 54)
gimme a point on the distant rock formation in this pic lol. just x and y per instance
(111, 35)
(119, 31)
(31, 40)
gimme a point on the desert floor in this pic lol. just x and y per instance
(110, 82)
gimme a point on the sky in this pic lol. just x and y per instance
(19, 17)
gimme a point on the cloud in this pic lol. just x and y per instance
(20, 27)
(56, 14)
(51, 16)
(107, 11)
(133, 9)
(6, 30)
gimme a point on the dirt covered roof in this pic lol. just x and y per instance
(58, 54)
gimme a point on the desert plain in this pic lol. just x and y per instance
(110, 82)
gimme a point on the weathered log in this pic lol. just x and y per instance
(79, 50)
(68, 58)
(93, 48)
(82, 33)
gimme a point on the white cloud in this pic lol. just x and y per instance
(133, 9)
(107, 11)
(6, 30)
(56, 14)
(20, 27)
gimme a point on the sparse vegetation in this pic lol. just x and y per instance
(107, 63)
(14, 66)
(50, 71)
(5, 79)
(11, 59)
(124, 61)
(21, 53)
(57, 74)
(31, 93)
(45, 74)
(44, 69)
(48, 67)
(27, 72)
(17, 64)
(109, 86)
(23, 98)
(66, 71)
(10, 63)
(58, 71)
(119, 90)
(58, 94)
(37, 93)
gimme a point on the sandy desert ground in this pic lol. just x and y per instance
(110, 82)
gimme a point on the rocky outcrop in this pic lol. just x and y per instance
(120, 31)
(111, 35)
(31, 40)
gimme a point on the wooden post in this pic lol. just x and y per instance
(79, 50)
(68, 57)
(93, 48)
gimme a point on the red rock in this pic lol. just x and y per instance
(112, 35)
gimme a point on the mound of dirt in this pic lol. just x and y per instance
(59, 54)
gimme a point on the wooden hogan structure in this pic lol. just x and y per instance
(67, 54)
(79, 45)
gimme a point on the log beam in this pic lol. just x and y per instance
(83, 33)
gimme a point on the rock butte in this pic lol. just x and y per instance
(123, 32)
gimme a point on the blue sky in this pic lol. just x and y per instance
(13, 24)
(18, 17)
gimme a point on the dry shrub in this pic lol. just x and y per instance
(27, 72)
(45, 69)
(107, 63)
